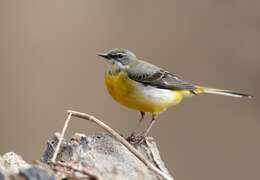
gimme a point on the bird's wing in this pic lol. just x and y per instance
(154, 76)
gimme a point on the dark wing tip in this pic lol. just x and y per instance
(242, 95)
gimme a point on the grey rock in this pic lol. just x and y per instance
(36, 173)
(2, 177)
(92, 157)
(105, 157)
(11, 163)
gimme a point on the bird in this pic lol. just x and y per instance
(147, 88)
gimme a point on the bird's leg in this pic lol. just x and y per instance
(150, 125)
(139, 122)
(140, 138)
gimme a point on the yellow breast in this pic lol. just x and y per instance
(141, 97)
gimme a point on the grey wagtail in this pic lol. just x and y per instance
(147, 88)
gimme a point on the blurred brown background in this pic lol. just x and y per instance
(48, 64)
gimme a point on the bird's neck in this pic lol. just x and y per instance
(113, 69)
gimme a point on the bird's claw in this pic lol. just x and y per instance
(136, 138)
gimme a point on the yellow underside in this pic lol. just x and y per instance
(128, 93)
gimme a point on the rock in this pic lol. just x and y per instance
(2, 168)
(14, 167)
(105, 157)
(36, 173)
(92, 157)
(2, 176)
(11, 163)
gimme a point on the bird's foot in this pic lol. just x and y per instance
(136, 138)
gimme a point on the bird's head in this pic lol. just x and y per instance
(119, 57)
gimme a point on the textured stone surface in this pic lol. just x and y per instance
(2, 176)
(93, 157)
(11, 163)
(36, 173)
(105, 157)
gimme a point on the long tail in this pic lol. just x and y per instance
(225, 92)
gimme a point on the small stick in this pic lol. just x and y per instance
(120, 139)
(84, 172)
(53, 160)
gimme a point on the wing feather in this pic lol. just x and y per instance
(154, 76)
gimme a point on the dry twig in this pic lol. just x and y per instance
(61, 138)
(70, 167)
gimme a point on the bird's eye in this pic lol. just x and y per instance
(120, 56)
(113, 56)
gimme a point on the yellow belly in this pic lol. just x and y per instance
(137, 96)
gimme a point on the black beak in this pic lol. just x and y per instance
(103, 55)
